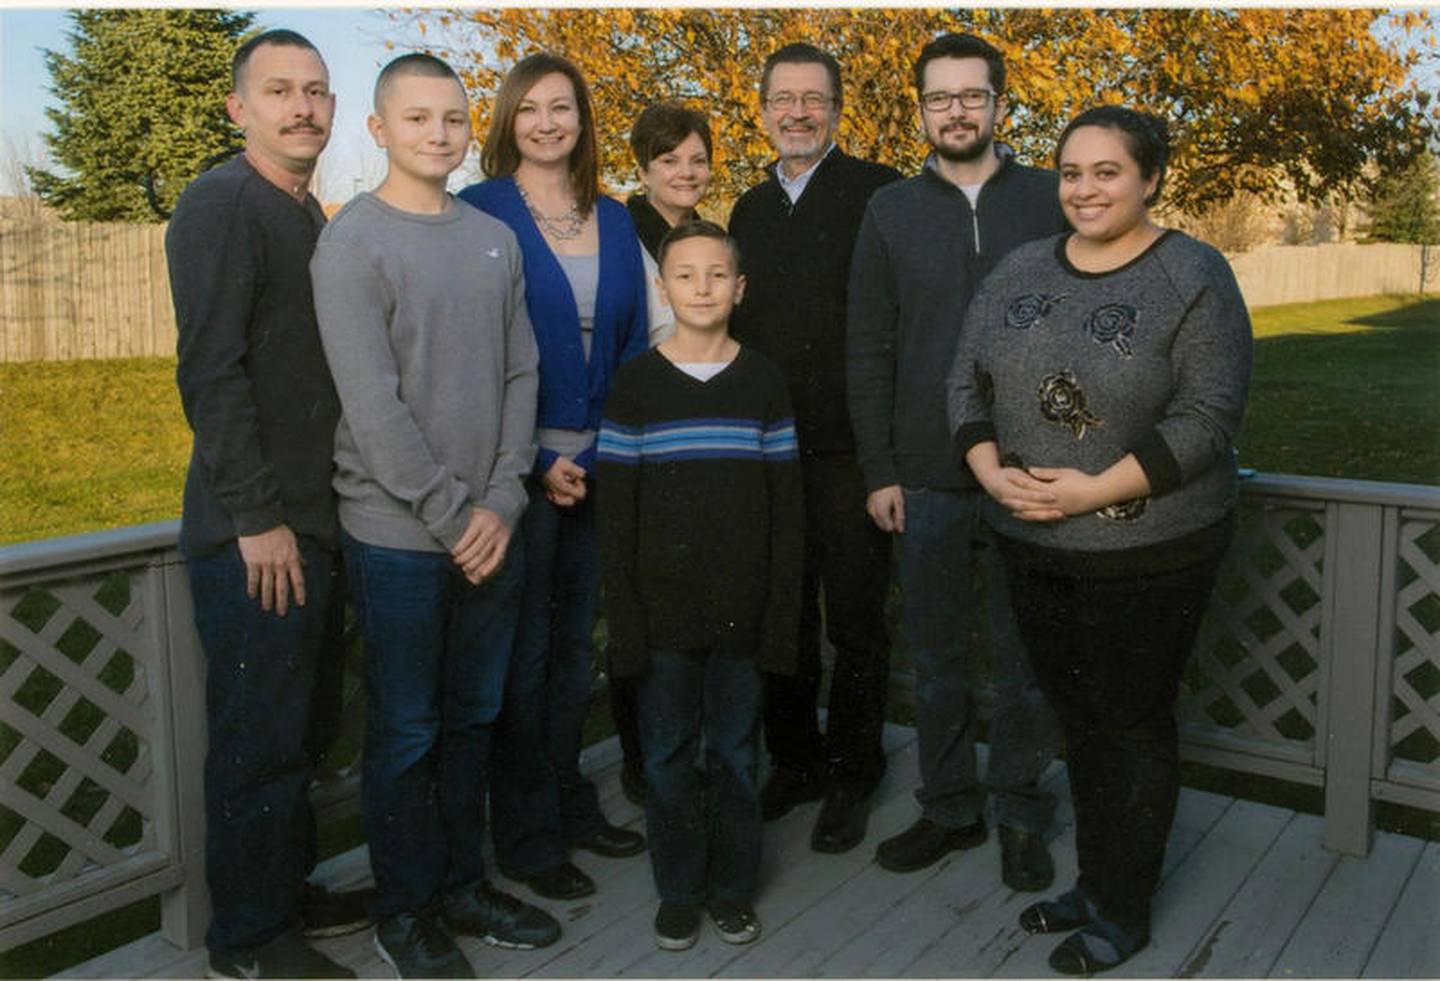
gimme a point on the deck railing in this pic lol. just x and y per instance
(1319, 662)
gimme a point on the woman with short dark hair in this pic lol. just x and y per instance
(1097, 393)
(673, 152)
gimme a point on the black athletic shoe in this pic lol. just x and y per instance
(677, 926)
(500, 919)
(419, 947)
(333, 914)
(287, 956)
(735, 922)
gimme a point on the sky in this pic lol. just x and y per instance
(351, 40)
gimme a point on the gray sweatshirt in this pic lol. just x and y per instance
(424, 326)
(1070, 369)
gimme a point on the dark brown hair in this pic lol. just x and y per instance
(1146, 136)
(500, 156)
(280, 37)
(662, 127)
(697, 228)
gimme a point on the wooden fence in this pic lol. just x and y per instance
(1275, 274)
(80, 290)
(75, 290)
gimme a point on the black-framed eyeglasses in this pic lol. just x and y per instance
(968, 98)
(785, 101)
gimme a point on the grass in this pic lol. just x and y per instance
(86, 445)
(1343, 388)
(1346, 388)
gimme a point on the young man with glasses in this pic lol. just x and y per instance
(796, 231)
(923, 248)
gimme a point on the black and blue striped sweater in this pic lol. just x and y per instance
(700, 521)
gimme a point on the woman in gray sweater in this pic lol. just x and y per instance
(1096, 394)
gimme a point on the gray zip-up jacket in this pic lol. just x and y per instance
(921, 253)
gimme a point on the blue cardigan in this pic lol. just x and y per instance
(572, 390)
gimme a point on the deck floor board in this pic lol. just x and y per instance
(1248, 890)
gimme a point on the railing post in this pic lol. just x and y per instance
(1350, 648)
(185, 910)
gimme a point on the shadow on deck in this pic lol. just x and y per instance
(1249, 891)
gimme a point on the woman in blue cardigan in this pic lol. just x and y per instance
(585, 293)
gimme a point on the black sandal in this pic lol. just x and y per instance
(1100, 946)
(1069, 911)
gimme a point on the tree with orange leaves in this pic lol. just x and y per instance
(1265, 101)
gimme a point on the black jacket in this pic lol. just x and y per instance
(796, 263)
(921, 253)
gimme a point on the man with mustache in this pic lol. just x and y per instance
(923, 248)
(796, 231)
(258, 528)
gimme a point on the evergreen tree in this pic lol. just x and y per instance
(142, 97)
(1405, 208)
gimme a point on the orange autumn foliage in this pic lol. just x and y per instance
(1259, 100)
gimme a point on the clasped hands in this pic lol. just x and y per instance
(1042, 493)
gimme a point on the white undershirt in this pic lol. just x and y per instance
(702, 370)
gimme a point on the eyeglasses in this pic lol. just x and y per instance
(968, 98)
(785, 101)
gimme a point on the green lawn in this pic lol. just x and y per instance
(1344, 388)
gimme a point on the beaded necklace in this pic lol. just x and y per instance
(561, 228)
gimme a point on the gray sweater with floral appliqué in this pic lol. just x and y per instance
(1063, 368)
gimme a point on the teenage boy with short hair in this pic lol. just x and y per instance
(421, 306)
(701, 534)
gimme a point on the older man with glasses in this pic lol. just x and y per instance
(796, 231)
(924, 246)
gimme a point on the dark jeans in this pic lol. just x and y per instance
(943, 529)
(539, 801)
(436, 652)
(1109, 654)
(705, 828)
(850, 557)
(272, 696)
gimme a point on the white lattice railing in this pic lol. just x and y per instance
(1320, 663)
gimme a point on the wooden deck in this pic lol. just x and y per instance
(1249, 892)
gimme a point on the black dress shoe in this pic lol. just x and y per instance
(841, 824)
(924, 843)
(1025, 863)
(563, 881)
(787, 787)
(612, 842)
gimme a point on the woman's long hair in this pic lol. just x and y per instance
(500, 157)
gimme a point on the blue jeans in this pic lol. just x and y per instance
(705, 829)
(539, 801)
(942, 532)
(436, 652)
(271, 698)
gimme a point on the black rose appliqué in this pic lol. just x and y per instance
(1062, 401)
(1028, 310)
(1113, 325)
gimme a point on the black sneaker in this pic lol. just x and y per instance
(500, 919)
(419, 947)
(735, 922)
(677, 926)
(333, 914)
(287, 956)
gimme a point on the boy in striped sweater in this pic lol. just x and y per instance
(701, 538)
